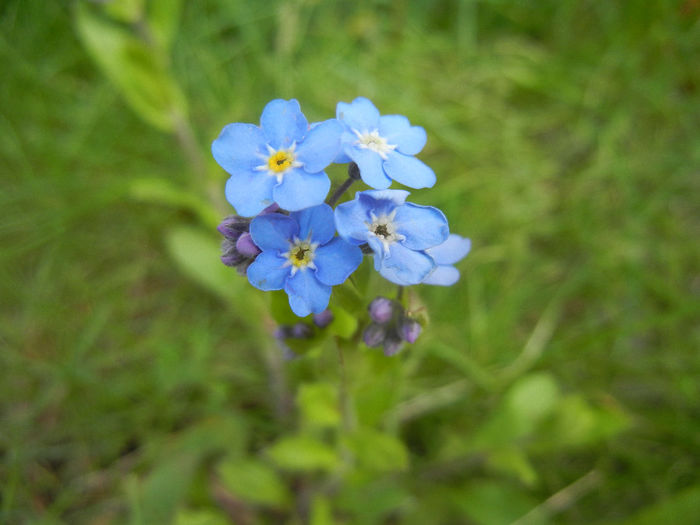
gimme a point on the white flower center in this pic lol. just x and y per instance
(278, 161)
(373, 141)
(384, 229)
(301, 255)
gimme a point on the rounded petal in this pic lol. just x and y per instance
(250, 192)
(306, 293)
(336, 260)
(379, 252)
(268, 272)
(238, 146)
(370, 164)
(422, 226)
(351, 221)
(315, 222)
(452, 250)
(283, 123)
(320, 146)
(395, 197)
(443, 276)
(299, 190)
(396, 129)
(404, 266)
(273, 232)
(409, 171)
(360, 114)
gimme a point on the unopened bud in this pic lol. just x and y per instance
(410, 330)
(392, 346)
(374, 335)
(381, 309)
(232, 227)
(246, 246)
(323, 319)
(301, 331)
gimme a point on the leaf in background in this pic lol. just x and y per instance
(492, 503)
(197, 255)
(514, 461)
(200, 517)
(163, 17)
(321, 512)
(254, 482)
(377, 451)
(128, 11)
(344, 324)
(318, 403)
(137, 70)
(280, 310)
(682, 508)
(300, 453)
(162, 191)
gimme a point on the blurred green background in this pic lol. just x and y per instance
(558, 382)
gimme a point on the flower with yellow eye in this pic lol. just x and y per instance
(281, 161)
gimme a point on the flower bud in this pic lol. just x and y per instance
(323, 319)
(301, 331)
(246, 246)
(392, 346)
(232, 227)
(374, 335)
(381, 309)
(410, 330)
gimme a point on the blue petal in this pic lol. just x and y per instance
(238, 146)
(336, 260)
(404, 266)
(306, 293)
(408, 171)
(273, 232)
(268, 272)
(300, 190)
(379, 253)
(360, 114)
(283, 123)
(320, 146)
(250, 192)
(423, 226)
(443, 276)
(381, 202)
(317, 221)
(452, 250)
(396, 129)
(350, 221)
(370, 164)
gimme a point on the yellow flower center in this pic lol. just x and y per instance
(301, 254)
(280, 161)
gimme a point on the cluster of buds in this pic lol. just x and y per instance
(391, 327)
(301, 331)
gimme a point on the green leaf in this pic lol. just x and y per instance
(163, 17)
(513, 461)
(254, 481)
(344, 324)
(321, 512)
(280, 310)
(377, 451)
(300, 453)
(197, 255)
(162, 191)
(318, 403)
(128, 11)
(138, 71)
(200, 517)
(682, 508)
(492, 503)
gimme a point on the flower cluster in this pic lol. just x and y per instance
(285, 237)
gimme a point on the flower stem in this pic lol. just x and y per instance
(353, 175)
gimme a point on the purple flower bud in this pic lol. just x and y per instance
(229, 254)
(381, 309)
(282, 332)
(301, 331)
(392, 346)
(232, 227)
(246, 246)
(410, 330)
(374, 335)
(323, 319)
(272, 208)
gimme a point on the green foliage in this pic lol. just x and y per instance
(556, 383)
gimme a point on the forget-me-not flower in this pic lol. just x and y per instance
(280, 161)
(382, 146)
(454, 249)
(398, 232)
(301, 255)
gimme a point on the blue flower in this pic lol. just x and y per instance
(301, 255)
(382, 146)
(281, 161)
(398, 232)
(454, 249)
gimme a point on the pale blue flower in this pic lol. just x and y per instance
(301, 255)
(453, 250)
(280, 161)
(398, 232)
(382, 146)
